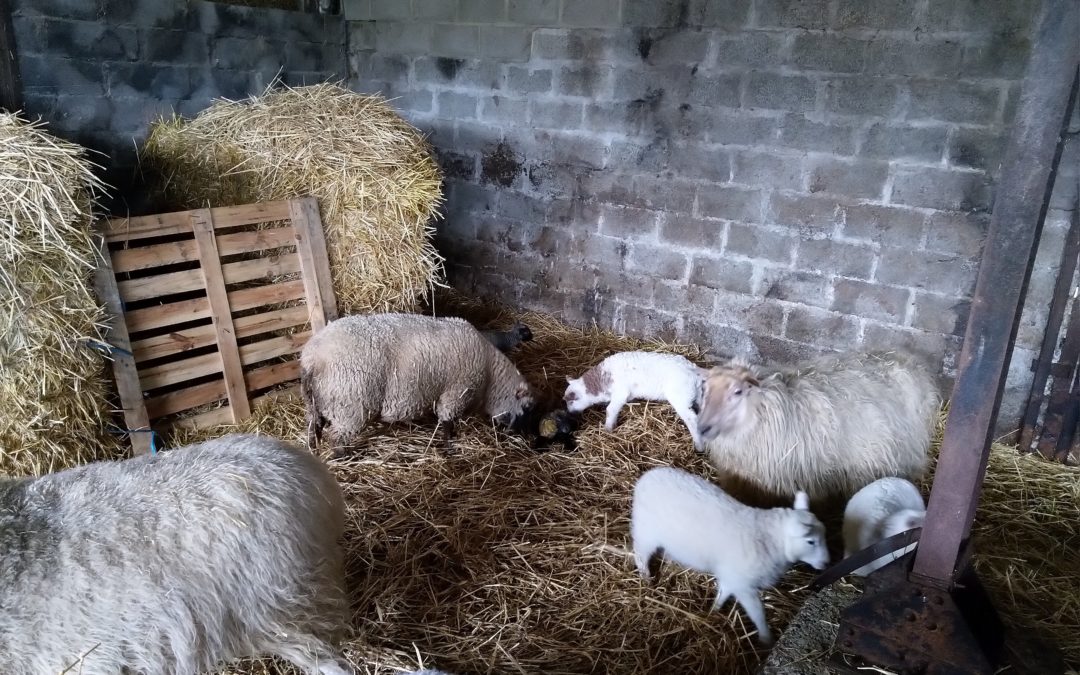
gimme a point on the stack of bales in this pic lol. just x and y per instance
(52, 386)
(377, 183)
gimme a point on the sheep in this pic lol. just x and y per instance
(506, 340)
(829, 427)
(883, 508)
(399, 367)
(174, 563)
(628, 376)
(696, 524)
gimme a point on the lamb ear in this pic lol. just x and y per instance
(704, 372)
(569, 379)
(802, 501)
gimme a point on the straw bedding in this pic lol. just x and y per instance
(52, 388)
(496, 559)
(374, 175)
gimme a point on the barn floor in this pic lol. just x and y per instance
(492, 558)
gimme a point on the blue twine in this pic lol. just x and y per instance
(105, 347)
(153, 436)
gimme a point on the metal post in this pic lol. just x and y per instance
(10, 86)
(1008, 255)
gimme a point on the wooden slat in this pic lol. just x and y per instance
(178, 222)
(314, 263)
(181, 341)
(208, 392)
(192, 280)
(221, 313)
(123, 364)
(175, 372)
(159, 255)
(174, 313)
(222, 415)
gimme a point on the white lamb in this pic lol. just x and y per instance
(698, 525)
(878, 511)
(629, 376)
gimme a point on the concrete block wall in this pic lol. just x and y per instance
(99, 71)
(770, 178)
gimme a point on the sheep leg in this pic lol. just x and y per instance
(721, 596)
(686, 414)
(641, 560)
(751, 604)
(314, 658)
(613, 409)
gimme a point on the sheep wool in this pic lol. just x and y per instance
(174, 563)
(883, 508)
(698, 525)
(829, 427)
(398, 367)
(629, 376)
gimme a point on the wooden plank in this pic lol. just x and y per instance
(123, 364)
(1045, 364)
(159, 255)
(178, 342)
(209, 392)
(176, 372)
(192, 280)
(178, 222)
(10, 82)
(221, 313)
(222, 415)
(314, 263)
(1031, 152)
(173, 313)
(1054, 432)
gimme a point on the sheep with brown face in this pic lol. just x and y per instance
(828, 427)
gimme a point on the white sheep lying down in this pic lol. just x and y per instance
(630, 376)
(829, 427)
(883, 508)
(173, 563)
(398, 367)
(698, 525)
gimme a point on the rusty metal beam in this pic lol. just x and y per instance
(1019, 207)
(10, 85)
(1045, 364)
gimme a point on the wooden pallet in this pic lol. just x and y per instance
(209, 306)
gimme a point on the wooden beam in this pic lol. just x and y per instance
(10, 83)
(123, 362)
(1046, 95)
(203, 226)
(314, 263)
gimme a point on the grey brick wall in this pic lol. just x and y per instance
(99, 71)
(774, 178)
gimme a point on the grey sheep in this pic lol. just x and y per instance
(399, 367)
(174, 563)
(828, 427)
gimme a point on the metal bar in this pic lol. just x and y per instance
(1057, 408)
(1045, 366)
(1019, 208)
(10, 83)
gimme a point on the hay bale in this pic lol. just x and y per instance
(377, 183)
(496, 559)
(52, 386)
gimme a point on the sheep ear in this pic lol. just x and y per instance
(704, 372)
(802, 501)
(569, 380)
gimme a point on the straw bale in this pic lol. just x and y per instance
(52, 386)
(374, 175)
(497, 559)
